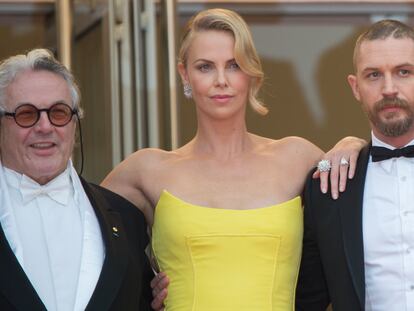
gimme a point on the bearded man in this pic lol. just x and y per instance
(358, 251)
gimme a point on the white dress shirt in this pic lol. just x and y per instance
(388, 233)
(54, 233)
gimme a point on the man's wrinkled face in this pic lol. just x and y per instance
(43, 150)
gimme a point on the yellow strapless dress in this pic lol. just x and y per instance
(228, 260)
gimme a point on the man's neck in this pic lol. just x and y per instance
(397, 141)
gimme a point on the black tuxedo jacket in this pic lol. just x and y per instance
(332, 266)
(124, 280)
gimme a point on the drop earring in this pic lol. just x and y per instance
(188, 91)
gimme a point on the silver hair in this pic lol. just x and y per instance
(37, 59)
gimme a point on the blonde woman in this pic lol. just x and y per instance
(225, 209)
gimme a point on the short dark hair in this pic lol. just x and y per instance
(382, 30)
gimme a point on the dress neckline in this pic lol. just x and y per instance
(166, 193)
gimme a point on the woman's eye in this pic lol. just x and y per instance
(234, 65)
(204, 67)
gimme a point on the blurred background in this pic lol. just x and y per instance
(123, 54)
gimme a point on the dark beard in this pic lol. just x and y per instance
(391, 128)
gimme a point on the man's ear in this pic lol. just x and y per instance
(353, 83)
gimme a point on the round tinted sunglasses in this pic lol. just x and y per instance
(27, 115)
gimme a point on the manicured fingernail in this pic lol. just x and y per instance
(324, 190)
(334, 196)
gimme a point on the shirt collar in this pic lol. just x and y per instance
(21, 182)
(386, 164)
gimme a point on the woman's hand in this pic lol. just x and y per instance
(159, 286)
(339, 164)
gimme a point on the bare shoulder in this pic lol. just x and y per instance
(147, 159)
(296, 149)
(137, 164)
(301, 146)
(133, 176)
(287, 162)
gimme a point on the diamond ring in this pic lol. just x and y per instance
(324, 166)
(344, 162)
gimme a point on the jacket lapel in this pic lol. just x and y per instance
(351, 202)
(14, 284)
(116, 255)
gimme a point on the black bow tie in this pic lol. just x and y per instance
(382, 153)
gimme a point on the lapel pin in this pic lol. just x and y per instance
(115, 231)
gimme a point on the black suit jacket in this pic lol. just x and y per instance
(332, 266)
(124, 280)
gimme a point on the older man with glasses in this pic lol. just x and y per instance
(65, 244)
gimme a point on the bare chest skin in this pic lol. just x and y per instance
(268, 173)
(252, 181)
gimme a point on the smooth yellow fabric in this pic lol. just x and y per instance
(228, 260)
